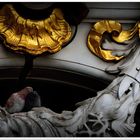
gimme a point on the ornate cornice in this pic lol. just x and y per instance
(33, 36)
(123, 12)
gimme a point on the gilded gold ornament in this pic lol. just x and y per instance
(97, 31)
(34, 36)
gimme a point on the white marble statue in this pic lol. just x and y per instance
(110, 113)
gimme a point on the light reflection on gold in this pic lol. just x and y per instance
(33, 36)
(97, 31)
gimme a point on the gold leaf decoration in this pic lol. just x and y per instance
(33, 36)
(97, 31)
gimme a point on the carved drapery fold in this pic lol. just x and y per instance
(34, 36)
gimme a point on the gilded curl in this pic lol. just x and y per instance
(34, 36)
(95, 37)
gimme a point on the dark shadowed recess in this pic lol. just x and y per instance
(59, 90)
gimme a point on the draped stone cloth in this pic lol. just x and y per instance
(110, 113)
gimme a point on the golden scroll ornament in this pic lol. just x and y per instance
(95, 37)
(33, 36)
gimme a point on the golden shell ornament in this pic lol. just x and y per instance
(33, 36)
(95, 37)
